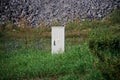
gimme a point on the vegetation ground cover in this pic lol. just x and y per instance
(92, 51)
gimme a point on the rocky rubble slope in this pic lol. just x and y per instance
(37, 11)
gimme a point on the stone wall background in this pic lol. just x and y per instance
(62, 11)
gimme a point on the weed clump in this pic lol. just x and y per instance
(104, 42)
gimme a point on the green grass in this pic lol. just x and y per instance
(76, 63)
(92, 52)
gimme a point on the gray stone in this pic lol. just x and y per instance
(36, 11)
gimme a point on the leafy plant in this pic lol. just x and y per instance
(114, 18)
(105, 38)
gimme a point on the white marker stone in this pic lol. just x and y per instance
(58, 39)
